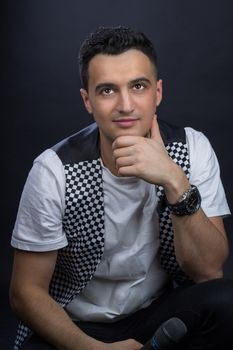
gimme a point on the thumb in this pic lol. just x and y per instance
(154, 132)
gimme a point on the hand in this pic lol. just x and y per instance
(146, 158)
(129, 344)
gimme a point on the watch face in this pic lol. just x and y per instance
(193, 201)
(189, 205)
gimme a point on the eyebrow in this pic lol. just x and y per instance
(140, 80)
(110, 85)
(101, 86)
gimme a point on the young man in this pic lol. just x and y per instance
(110, 217)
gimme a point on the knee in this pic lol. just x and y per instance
(215, 306)
(217, 298)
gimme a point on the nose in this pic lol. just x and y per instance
(125, 103)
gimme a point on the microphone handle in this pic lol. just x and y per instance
(148, 345)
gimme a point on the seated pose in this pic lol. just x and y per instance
(120, 226)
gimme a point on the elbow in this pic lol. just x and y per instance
(19, 299)
(25, 301)
(210, 270)
(15, 300)
(204, 268)
(207, 276)
(203, 272)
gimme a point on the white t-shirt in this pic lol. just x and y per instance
(129, 275)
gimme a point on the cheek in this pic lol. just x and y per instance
(102, 109)
(99, 114)
(149, 107)
(147, 101)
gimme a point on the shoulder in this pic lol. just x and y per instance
(46, 157)
(48, 160)
(193, 135)
(175, 133)
(198, 144)
(203, 161)
(47, 169)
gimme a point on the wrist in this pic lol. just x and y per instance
(99, 345)
(86, 342)
(176, 184)
(188, 204)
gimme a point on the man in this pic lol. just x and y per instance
(110, 217)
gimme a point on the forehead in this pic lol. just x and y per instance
(123, 67)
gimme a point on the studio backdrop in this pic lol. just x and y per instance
(41, 100)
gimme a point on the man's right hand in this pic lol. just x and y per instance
(129, 344)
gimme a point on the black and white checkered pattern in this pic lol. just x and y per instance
(22, 333)
(178, 151)
(84, 226)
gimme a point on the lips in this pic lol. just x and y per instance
(125, 122)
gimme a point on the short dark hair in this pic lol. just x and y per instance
(113, 41)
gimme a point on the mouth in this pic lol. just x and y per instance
(126, 122)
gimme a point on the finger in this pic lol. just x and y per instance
(122, 152)
(124, 162)
(125, 141)
(127, 170)
(155, 132)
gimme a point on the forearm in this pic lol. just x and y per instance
(201, 246)
(201, 249)
(42, 314)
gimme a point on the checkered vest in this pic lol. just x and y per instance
(83, 220)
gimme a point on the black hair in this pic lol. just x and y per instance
(113, 41)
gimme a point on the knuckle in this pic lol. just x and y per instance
(115, 153)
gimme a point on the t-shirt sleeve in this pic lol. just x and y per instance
(38, 225)
(205, 174)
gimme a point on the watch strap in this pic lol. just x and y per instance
(188, 204)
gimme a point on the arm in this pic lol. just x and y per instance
(200, 242)
(39, 226)
(209, 252)
(30, 300)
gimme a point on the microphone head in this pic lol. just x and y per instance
(170, 333)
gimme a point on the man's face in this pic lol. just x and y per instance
(122, 94)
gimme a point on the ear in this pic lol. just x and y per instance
(159, 92)
(86, 100)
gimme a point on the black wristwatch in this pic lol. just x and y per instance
(188, 204)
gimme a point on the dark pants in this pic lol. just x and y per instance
(205, 308)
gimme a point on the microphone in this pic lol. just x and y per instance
(167, 335)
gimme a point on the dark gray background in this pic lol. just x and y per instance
(40, 86)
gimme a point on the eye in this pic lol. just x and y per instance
(107, 91)
(139, 86)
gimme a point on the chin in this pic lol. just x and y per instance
(133, 132)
